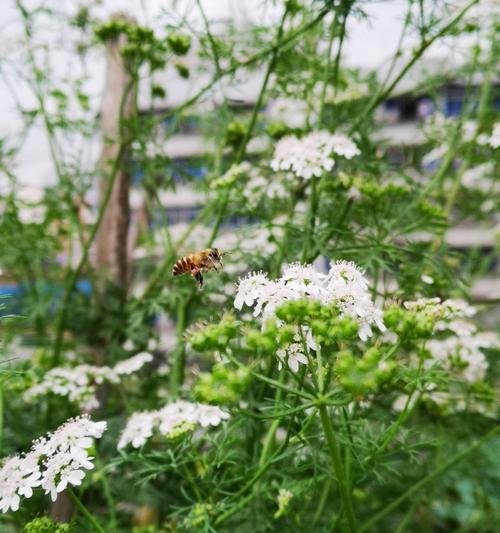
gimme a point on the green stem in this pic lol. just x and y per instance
(192, 482)
(346, 8)
(157, 276)
(322, 501)
(1, 414)
(178, 370)
(379, 97)
(333, 28)
(253, 120)
(271, 381)
(289, 40)
(72, 278)
(427, 479)
(337, 467)
(313, 206)
(269, 438)
(400, 420)
(107, 491)
(85, 512)
(243, 501)
(260, 472)
(85, 253)
(406, 519)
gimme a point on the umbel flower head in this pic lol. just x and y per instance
(343, 287)
(313, 154)
(54, 462)
(172, 420)
(78, 383)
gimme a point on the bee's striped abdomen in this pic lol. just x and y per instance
(182, 266)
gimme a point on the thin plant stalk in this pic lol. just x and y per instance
(85, 512)
(345, 493)
(420, 51)
(107, 490)
(253, 120)
(427, 479)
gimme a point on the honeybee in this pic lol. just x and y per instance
(197, 262)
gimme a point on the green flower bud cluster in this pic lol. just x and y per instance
(142, 46)
(233, 174)
(157, 91)
(215, 337)
(293, 6)
(222, 385)
(276, 130)
(432, 211)
(326, 325)
(111, 30)
(199, 514)
(284, 498)
(181, 429)
(269, 339)
(179, 43)
(235, 132)
(182, 70)
(483, 392)
(365, 375)
(44, 524)
(409, 324)
(377, 191)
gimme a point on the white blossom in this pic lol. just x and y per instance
(344, 287)
(250, 289)
(438, 310)
(133, 364)
(481, 178)
(312, 154)
(291, 111)
(18, 477)
(259, 187)
(177, 416)
(461, 352)
(79, 383)
(54, 462)
(138, 430)
(494, 140)
(435, 154)
(293, 355)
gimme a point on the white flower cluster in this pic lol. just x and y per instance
(494, 139)
(232, 174)
(481, 178)
(458, 350)
(292, 112)
(461, 353)
(313, 154)
(439, 127)
(53, 463)
(344, 286)
(79, 383)
(258, 187)
(171, 420)
(436, 309)
(448, 402)
(251, 184)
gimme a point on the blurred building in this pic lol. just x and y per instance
(431, 88)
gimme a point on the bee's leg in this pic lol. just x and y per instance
(196, 273)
